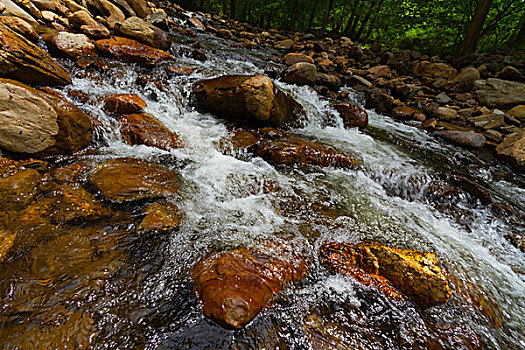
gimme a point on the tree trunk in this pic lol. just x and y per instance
(232, 9)
(245, 10)
(224, 10)
(371, 27)
(326, 16)
(294, 14)
(268, 20)
(365, 20)
(351, 19)
(474, 27)
(312, 15)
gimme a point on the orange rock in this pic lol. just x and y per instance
(145, 129)
(124, 103)
(235, 286)
(69, 45)
(413, 273)
(352, 115)
(131, 51)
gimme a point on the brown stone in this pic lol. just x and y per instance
(300, 73)
(19, 189)
(380, 71)
(109, 11)
(160, 217)
(248, 99)
(131, 51)
(413, 273)
(235, 286)
(434, 70)
(292, 58)
(21, 27)
(403, 113)
(512, 150)
(81, 18)
(124, 103)
(352, 115)
(127, 179)
(145, 32)
(140, 7)
(500, 93)
(69, 45)
(283, 44)
(145, 129)
(40, 122)
(22, 60)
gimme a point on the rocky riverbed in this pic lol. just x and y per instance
(174, 180)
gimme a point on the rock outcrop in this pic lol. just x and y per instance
(500, 93)
(22, 60)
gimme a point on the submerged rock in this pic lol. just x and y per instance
(249, 99)
(19, 189)
(160, 217)
(127, 179)
(22, 60)
(32, 121)
(235, 286)
(413, 273)
(124, 103)
(131, 51)
(145, 129)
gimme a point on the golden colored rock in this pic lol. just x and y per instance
(18, 190)
(131, 51)
(413, 273)
(124, 103)
(160, 217)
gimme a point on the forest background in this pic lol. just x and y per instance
(435, 27)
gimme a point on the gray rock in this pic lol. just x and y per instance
(443, 98)
(300, 73)
(499, 93)
(462, 138)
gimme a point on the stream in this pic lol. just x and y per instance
(105, 285)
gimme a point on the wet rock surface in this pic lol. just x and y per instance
(131, 51)
(22, 60)
(248, 99)
(128, 179)
(235, 286)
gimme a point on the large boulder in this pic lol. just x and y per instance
(12, 9)
(21, 27)
(248, 99)
(498, 93)
(512, 150)
(131, 51)
(434, 70)
(24, 61)
(352, 115)
(145, 129)
(35, 122)
(293, 58)
(127, 179)
(300, 73)
(413, 273)
(69, 45)
(235, 286)
(145, 32)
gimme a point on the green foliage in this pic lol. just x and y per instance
(432, 26)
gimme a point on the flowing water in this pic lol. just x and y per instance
(110, 286)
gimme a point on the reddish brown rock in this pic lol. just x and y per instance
(434, 70)
(69, 45)
(124, 103)
(19, 189)
(197, 23)
(352, 115)
(380, 101)
(21, 27)
(403, 113)
(24, 61)
(290, 150)
(131, 51)
(160, 217)
(512, 150)
(145, 32)
(235, 286)
(127, 179)
(413, 273)
(145, 129)
(248, 99)
(293, 58)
